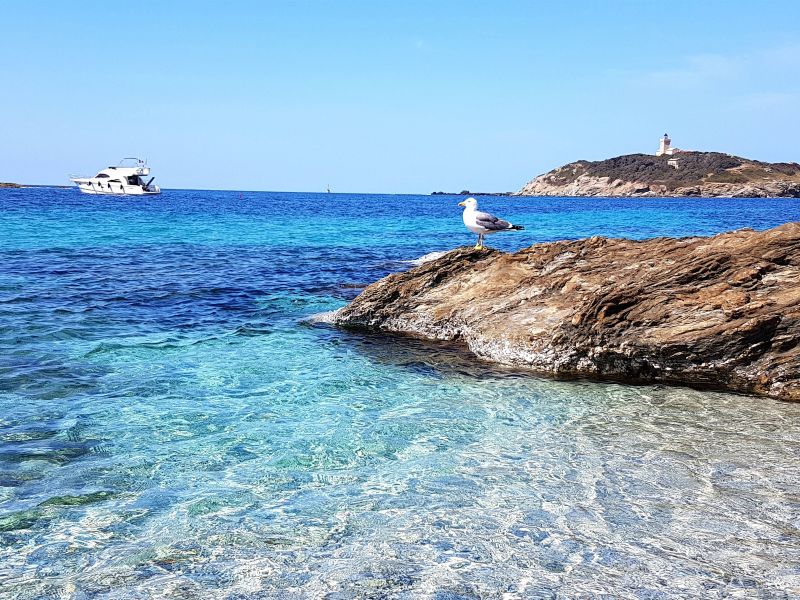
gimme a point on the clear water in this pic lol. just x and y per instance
(169, 426)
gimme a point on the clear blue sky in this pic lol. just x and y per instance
(378, 96)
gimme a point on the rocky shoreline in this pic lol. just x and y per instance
(720, 312)
(606, 187)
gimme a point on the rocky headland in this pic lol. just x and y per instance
(705, 174)
(721, 312)
(9, 185)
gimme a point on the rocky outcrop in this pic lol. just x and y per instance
(706, 174)
(587, 185)
(720, 312)
(9, 185)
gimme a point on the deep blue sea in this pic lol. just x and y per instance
(172, 427)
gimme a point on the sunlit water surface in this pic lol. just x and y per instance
(170, 427)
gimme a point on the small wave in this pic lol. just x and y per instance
(251, 330)
(169, 343)
(322, 318)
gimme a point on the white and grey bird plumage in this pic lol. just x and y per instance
(483, 223)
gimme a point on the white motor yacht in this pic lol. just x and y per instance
(129, 177)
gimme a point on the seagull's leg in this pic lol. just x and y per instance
(479, 245)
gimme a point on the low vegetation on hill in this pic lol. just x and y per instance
(682, 174)
(694, 168)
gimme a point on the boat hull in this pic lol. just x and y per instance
(114, 189)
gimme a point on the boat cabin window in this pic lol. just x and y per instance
(101, 176)
(133, 180)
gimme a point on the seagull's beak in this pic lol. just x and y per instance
(461, 204)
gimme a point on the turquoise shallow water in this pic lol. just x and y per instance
(170, 426)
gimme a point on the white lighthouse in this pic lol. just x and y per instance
(664, 146)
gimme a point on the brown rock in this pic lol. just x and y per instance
(720, 312)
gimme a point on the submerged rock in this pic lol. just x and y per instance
(720, 312)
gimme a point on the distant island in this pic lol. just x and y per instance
(9, 185)
(468, 193)
(671, 172)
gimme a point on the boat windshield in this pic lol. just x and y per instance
(132, 162)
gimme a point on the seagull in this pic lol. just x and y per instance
(483, 223)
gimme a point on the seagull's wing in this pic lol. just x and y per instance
(490, 222)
